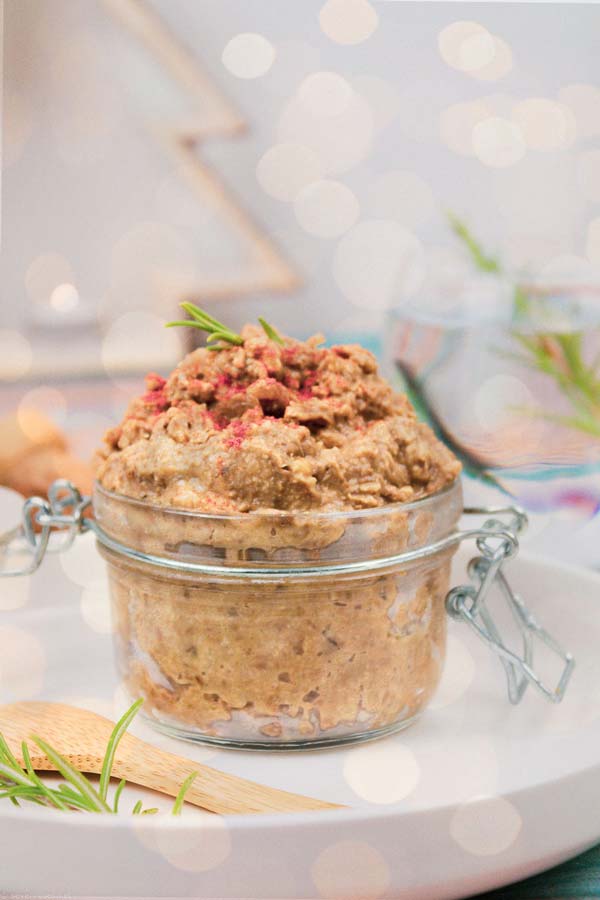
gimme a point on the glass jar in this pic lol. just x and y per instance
(275, 629)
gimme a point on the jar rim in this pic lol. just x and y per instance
(312, 516)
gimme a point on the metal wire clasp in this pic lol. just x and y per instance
(61, 512)
(497, 543)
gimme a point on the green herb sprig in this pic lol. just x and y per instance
(18, 783)
(200, 319)
(559, 356)
(216, 330)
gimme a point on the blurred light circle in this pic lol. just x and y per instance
(500, 65)
(402, 196)
(592, 244)
(543, 123)
(326, 208)
(139, 340)
(350, 869)
(287, 168)
(64, 297)
(584, 101)
(458, 122)
(16, 355)
(348, 21)
(340, 142)
(382, 772)
(486, 826)
(14, 593)
(248, 55)
(22, 664)
(325, 93)
(44, 274)
(81, 563)
(588, 166)
(46, 400)
(466, 46)
(95, 606)
(198, 849)
(150, 264)
(476, 51)
(381, 96)
(377, 262)
(481, 777)
(497, 142)
(501, 401)
(294, 60)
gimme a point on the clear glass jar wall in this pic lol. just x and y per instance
(301, 657)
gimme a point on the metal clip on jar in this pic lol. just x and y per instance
(279, 630)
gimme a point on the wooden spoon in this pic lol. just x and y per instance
(81, 737)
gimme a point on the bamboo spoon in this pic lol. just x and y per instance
(81, 737)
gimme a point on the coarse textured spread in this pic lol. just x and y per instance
(262, 426)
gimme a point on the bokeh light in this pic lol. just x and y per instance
(248, 55)
(64, 298)
(402, 196)
(544, 124)
(377, 262)
(16, 355)
(350, 869)
(499, 66)
(200, 847)
(348, 21)
(466, 46)
(325, 94)
(584, 101)
(383, 772)
(501, 401)
(498, 142)
(458, 122)
(44, 274)
(46, 400)
(486, 826)
(286, 168)
(121, 353)
(82, 564)
(339, 141)
(326, 208)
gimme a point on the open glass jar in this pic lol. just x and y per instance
(287, 631)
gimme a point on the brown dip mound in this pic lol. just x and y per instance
(266, 426)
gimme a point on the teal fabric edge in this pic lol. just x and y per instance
(579, 877)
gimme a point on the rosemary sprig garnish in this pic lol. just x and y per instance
(270, 331)
(560, 355)
(19, 783)
(216, 330)
(199, 319)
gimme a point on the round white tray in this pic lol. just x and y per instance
(475, 795)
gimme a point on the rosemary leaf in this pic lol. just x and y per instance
(270, 331)
(137, 808)
(118, 793)
(51, 796)
(179, 799)
(113, 742)
(77, 779)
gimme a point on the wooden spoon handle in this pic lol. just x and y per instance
(216, 791)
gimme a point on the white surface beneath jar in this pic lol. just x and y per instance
(475, 795)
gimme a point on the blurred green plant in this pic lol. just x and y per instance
(558, 355)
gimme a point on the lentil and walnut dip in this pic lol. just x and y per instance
(277, 453)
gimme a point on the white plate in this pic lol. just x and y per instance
(475, 795)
